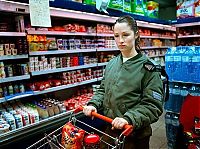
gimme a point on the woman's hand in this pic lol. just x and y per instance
(119, 123)
(87, 110)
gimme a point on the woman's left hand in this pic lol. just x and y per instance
(119, 123)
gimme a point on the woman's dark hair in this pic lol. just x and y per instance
(133, 25)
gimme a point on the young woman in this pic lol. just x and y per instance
(129, 93)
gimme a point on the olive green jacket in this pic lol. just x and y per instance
(130, 91)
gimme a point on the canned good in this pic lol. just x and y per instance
(92, 141)
(21, 88)
(24, 69)
(10, 89)
(9, 70)
(16, 89)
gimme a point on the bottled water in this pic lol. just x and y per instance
(177, 64)
(197, 49)
(193, 90)
(169, 62)
(184, 93)
(187, 64)
(176, 98)
(194, 73)
(169, 103)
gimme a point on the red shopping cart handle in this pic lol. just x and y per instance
(126, 132)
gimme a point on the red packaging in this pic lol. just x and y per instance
(72, 138)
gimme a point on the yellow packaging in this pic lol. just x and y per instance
(152, 9)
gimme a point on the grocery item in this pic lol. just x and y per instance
(92, 141)
(185, 9)
(139, 7)
(152, 9)
(72, 138)
(116, 4)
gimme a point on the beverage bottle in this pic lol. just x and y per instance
(184, 93)
(169, 62)
(193, 90)
(169, 103)
(178, 63)
(176, 98)
(187, 64)
(197, 49)
(194, 66)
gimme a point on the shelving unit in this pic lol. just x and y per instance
(36, 73)
(13, 57)
(22, 9)
(15, 78)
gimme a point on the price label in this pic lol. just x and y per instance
(40, 13)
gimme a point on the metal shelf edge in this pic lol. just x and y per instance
(15, 78)
(61, 52)
(9, 57)
(16, 34)
(60, 33)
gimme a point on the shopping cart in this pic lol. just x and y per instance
(53, 140)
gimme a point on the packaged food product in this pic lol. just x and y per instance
(72, 138)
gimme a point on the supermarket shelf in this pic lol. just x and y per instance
(15, 78)
(18, 96)
(105, 35)
(185, 82)
(61, 52)
(10, 57)
(60, 33)
(36, 73)
(107, 49)
(99, 79)
(187, 22)
(20, 34)
(159, 37)
(156, 26)
(154, 47)
(189, 36)
(31, 129)
(2, 100)
(53, 89)
(102, 64)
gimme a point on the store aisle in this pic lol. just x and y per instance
(159, 140)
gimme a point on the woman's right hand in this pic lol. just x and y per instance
(87, 110)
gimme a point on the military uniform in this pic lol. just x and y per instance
(131, 91)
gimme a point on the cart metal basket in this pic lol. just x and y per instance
(53, 140)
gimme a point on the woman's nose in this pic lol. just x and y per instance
(121, 40)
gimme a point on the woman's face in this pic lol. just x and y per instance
(124, 37)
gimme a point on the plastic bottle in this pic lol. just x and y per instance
(169, 103)
(187, 64)
(193, 90)
(169, 62)
(184, 93)
(176, 98)
(194, 73)
(178, 63)
(197, 49)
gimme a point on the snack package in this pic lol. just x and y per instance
(72, 138)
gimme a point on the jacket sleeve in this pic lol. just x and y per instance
(97, 99)
(150, 107)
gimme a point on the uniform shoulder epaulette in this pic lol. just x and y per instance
(150, 65)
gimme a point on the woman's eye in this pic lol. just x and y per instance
(126, 35)
(116, 35)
